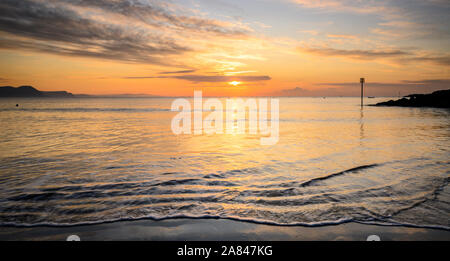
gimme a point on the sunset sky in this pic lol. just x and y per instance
(226, 47)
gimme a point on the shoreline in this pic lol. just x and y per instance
(214, 229)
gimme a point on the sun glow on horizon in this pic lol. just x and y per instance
(234, 83)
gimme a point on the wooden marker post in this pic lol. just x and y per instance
(362, 81)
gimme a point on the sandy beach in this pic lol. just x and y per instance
(219, 230)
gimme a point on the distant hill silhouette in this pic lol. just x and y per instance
(29, 91)
(437, 99)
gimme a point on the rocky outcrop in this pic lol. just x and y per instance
(437, 99)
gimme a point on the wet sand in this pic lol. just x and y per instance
(219, 230)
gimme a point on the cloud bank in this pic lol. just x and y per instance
(397, 56)
(208, 78)
(128, 31)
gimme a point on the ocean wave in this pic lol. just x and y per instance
(294, 203)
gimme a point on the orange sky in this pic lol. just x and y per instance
(289, 47)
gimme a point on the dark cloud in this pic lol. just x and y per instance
(218, 78)
(397, 56)
(49, 28)
(178, 72)
(439, 60)
(208, 78)
(156, 14)
(355, 54)
(439, 83)
(113, 53)
(58, 27)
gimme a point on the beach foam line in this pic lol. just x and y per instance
(375, 222)
(392, 223)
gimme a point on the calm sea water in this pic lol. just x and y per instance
(77, 161)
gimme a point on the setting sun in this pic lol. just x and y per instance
(234, 83)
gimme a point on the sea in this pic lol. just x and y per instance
(72, 161)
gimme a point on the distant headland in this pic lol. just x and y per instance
(437, 99)
(29, 91)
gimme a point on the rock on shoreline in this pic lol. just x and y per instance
(437, 99)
